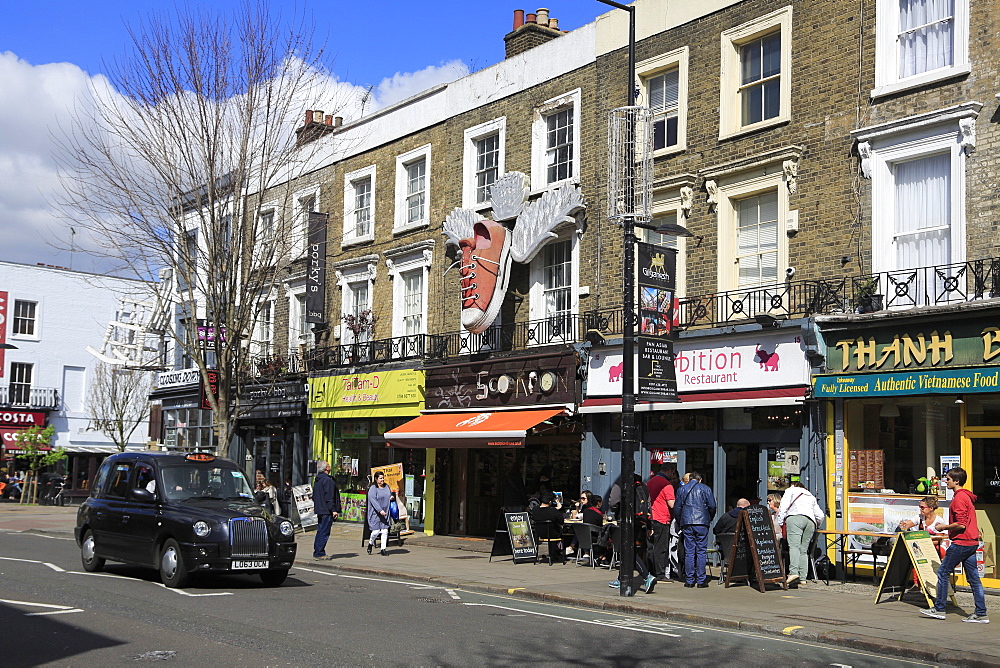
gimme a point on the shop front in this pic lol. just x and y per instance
(496, 432)
(187, 423)
(351, 414)
(912, 398)
(741, 421)
(273, 427)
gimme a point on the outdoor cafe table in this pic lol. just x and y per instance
(839, 538)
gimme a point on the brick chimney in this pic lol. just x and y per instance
(530, 30)
(316, 125)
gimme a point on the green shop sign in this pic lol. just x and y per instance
(935, 346)
(944, 381)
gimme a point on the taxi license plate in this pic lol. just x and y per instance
(243, 564)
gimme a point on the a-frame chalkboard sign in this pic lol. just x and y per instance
(515, 537)
(755, 556)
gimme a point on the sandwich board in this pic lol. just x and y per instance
(755, 556)
(913, 552)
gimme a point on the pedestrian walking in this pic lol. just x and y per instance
(379, 497)
(800, 514)
(326, 505)
(963, 530)
(695, 508)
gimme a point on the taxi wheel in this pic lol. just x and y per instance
(91, 562)
(172, 570)
(273, 578)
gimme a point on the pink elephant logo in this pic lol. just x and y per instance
(615, 373)
(767, 361)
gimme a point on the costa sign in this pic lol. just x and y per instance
(22, 419)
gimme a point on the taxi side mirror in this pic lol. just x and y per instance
(144, 495)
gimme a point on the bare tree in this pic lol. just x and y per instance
(118, 401)
(162, 170)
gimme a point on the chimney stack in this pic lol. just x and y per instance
(530, 30)
(316, 125)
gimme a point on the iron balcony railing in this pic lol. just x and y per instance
(18, 395)
(886, 291)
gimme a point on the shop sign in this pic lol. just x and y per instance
(22, 419)
(884, 349)
(178, 378)
(712, 364)
(361, 390)
(510, 382)
(8, 437)
(655, 371)
(316, 278)
(210, 389)
(945, 381)
(353, 430)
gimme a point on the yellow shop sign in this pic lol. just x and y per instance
(385, 393)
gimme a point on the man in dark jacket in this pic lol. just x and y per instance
(326, 504)
(694, 508)
(727, 523)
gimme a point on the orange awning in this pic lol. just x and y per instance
(486, 429)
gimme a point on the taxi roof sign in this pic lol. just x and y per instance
(200, 457)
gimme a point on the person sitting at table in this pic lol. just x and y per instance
(927, 520)
(576, 508)
(592, 511)
(546, 512)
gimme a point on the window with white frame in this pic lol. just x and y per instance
(408, 270)
(413, 189)
(264, 328)
(359, 205)
(20, 383)
(24, 318)
(554, 295)
(555, 140)
(756, 74)
(753, 248)
(298, 328)
(917, 167)
(304, 205)
(357, 296)
(483, 161)
(664, 90)
(919, 42)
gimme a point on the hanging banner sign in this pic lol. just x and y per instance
(316, 272)
(657, 282)
(3, 329)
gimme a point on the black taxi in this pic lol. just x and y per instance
(182, 514)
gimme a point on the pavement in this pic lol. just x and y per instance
(841, 615)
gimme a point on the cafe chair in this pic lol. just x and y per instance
(585, 542)
(549, 534)
(616, 547)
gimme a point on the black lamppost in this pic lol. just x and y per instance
(626, 515)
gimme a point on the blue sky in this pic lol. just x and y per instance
(47, 57)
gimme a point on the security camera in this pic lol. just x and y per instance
(789, 272)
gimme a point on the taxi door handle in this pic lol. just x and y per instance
(124, 519)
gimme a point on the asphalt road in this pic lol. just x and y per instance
(53, 613)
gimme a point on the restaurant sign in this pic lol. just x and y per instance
(943, 381)
(886, 349)
(395, 392)
(510, 382)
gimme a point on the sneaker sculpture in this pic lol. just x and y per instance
(484, 272)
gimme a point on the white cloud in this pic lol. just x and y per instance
(406, 84)
(37, 101)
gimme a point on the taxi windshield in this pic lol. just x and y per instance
(192, 481)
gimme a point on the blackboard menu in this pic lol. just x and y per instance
(755, 556)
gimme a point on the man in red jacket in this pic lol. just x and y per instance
(661, 491)
(963, 530)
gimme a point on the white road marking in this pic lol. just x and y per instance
(187, 593)
(451, 592)
(28, 532)
(54, 567)
(616, 625)
(841, 665)
(158, 584)
(414, 585)
(35, 561)
(55, 609)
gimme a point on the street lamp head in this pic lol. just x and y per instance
(673, 230)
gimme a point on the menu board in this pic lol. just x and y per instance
(755, 556)
(913, 552)
(867, 469)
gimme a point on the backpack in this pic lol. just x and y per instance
(643, 506)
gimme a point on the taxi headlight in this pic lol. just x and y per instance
(201, 529)
(286, 528)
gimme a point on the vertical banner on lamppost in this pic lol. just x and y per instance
(3, 328)
(316, 274)
(657, 286)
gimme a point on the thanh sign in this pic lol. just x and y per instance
(889, 349)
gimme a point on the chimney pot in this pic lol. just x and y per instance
(309, 116)
(530, 18)
(554, 24)
(338, 121)
(518, 18)
(328, 120)
(542, 16)
(317, 115)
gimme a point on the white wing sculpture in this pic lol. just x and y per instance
(508, 195)
(458, 225)
(535, 224)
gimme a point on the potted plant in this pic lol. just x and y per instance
(867, 298)
(361, 325)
